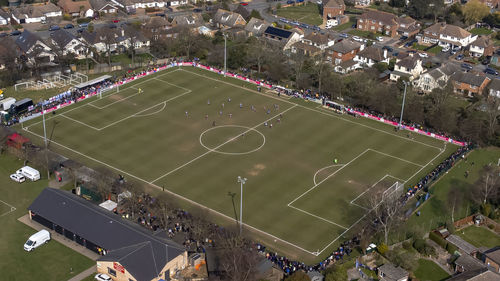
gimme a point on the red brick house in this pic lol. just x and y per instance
(332, 9)
(344, 50)
(377, 21)
(469, 84)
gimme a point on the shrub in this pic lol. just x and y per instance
(419, 245)
(83, 20)
(406, 245)
(486, 209)
(67, 17)
(450, 226)
(382, 248)
(451, 248)
(491, 226)
(438, 239)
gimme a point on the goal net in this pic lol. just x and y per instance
(394, 189)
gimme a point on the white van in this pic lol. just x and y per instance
(36, 240)
(29, 173)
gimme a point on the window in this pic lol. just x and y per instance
(360, 26)
(372, 27)
(360, 20)
(112, 272)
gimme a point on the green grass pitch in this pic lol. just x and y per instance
(295, 194)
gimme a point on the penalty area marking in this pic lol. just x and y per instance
(12, 209)
(248, 129)
(317, 172)
(153, 113)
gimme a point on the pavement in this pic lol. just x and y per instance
(84, 274)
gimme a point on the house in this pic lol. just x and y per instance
(75, 8)
(468, 84)
(136, 37)
(67, 43)
(492, 256)
(492, 4)
(256, 27)
(266, 270)
(482, 46)
(370, 56)
(332, 9)
(378, 22)
(313, 44)
(388, 272)
(284, 38)
(34, 49)
(494, 88)
(467, 263)
(346, 67)
(407, 26)
(227, 19)
(192, 20)
(128, 251)
(4, 18)
(105, 6)
(409, 67)
(436, 78)
(155, 27)
(362, 3)
(446, 35)
(482, 274)
(344, 50)
(35, 13)
(240, 9)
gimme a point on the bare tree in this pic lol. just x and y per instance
(488, 186)
(386, 212)
(107, 36)
(258, 52)
(492, 113)
(237, 259)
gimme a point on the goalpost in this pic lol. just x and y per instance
(396, 187)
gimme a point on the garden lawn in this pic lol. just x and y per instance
(307, 13)
(435, 50)
(481, 31)
(49, 262)
(479, 236)
(428, 270)
(434, 211)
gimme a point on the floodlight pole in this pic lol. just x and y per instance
(403, 105)
(242, 182)
(45, 141)
(225, 54)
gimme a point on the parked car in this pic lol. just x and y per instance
(357, 38)
(290, 2)
(388, 48)
(80, 30)
(197, 10)
(486, 60)
(380, 38)
(344, 35)
(17, 178)
(112, 25)
(68, 26)
(3, 34)
(36, 240)
(445, 49)
(116, 21)
(15, 33)
(54, 27)
(423, 55)
(466, 66)
(402, 38)
(300, 1)
(410, 43)
(244, 4)
(171, 10)
(490, 71)
(83, 25)
(460, 57)
(102, 277)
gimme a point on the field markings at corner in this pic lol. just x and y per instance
(174, 194)
(312, 109)
(219, 146)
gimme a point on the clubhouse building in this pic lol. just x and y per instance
(128, 252)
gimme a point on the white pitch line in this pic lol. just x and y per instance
(395, 157)
(314, 186)
(315, 174)
(153, 113)
(117, 101)
(79, 122)
(316, 110)
(12, 208)
(368, 189)
(217, 147)
(161, 80)
(318, 217)
(175, 194)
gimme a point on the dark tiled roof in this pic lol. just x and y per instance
(61, 37)
(494, 253)
(26, 40)
(408, 62)
(256, 26)
(494, 85)
(143, 254)
(379, 16)
(463, 245)
(482, 41)
(191, 20)
(372, 52)
(469, 263)
(447, 29)
(226, 18)
(473, 80)
(345, 46)
(482, 274)
(392, 272)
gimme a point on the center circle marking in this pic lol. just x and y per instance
(232, 153)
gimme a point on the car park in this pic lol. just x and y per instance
(15, 33)
(68, 26)
(490, 71)
(17, 178)
(54, 27)
(102, 277)
(466, 66)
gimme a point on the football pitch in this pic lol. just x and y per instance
(194, 132)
